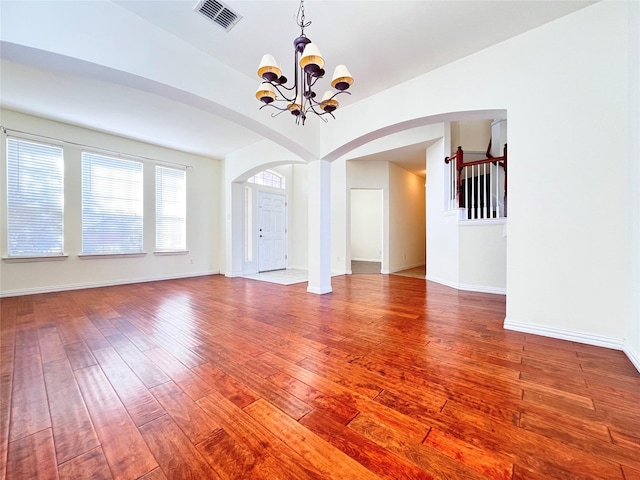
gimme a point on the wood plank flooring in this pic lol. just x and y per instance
(387, 377)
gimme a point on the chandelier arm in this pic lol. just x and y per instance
(275, 114)
(273, 106)
(320, 115)
(312, 108)
(277, 87)
(316, 103)
(313, 103)
(338, 93)
(312, 80)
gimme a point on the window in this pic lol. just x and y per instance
(35, 224)
(111, 205)
(248, 225)
(268, 178)
(171, 208)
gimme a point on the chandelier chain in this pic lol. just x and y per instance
(301, 22)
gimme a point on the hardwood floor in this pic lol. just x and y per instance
(358, 267)
(415, 272)
(386, 377)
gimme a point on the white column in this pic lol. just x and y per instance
(234, 241)
(319, 227)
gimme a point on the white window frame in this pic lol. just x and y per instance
(269, 178)
(116, 202)
(248, 224)
(171, 209)
(35, 203)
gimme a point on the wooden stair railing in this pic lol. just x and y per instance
(460, 165)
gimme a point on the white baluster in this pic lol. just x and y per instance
(473, 194)
(484, 191)
(498, 194)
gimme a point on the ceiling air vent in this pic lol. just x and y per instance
(218, 13)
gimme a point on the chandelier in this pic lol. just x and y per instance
(300, 99)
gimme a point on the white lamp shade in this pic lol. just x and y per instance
(296, 105)
(342, 79)
(265, 90)
(327, 100)
(311, 56)
(327, 103)
(268, 65)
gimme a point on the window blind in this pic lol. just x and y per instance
(171, 208)
(35, 223)
(112, 192)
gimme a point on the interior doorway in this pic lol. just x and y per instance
(272, 231)
(367, 215)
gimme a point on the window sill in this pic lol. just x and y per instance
(162, 253)
(93, 256)
(41, 258)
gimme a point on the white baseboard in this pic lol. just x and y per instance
(407, 267)
(235, 274)
(441, 281)
(562, 334)
(319, 291)
(578, 337)
(377, 260)
(482, 289)
(632, 355)
(467, 287)
(81, 286)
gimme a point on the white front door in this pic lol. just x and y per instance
(272, 231)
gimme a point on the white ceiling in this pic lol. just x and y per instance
(383, 43)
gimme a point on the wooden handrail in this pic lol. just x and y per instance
(460, 163)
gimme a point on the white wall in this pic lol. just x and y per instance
(402, 214)
(407, 224)
(340, 218)
(442, 227)
(471, 135)
(367, 210)
(371, 175)
(298, 213)
(567, 261)
(482, 256)
(203, 209)
(632, 347)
